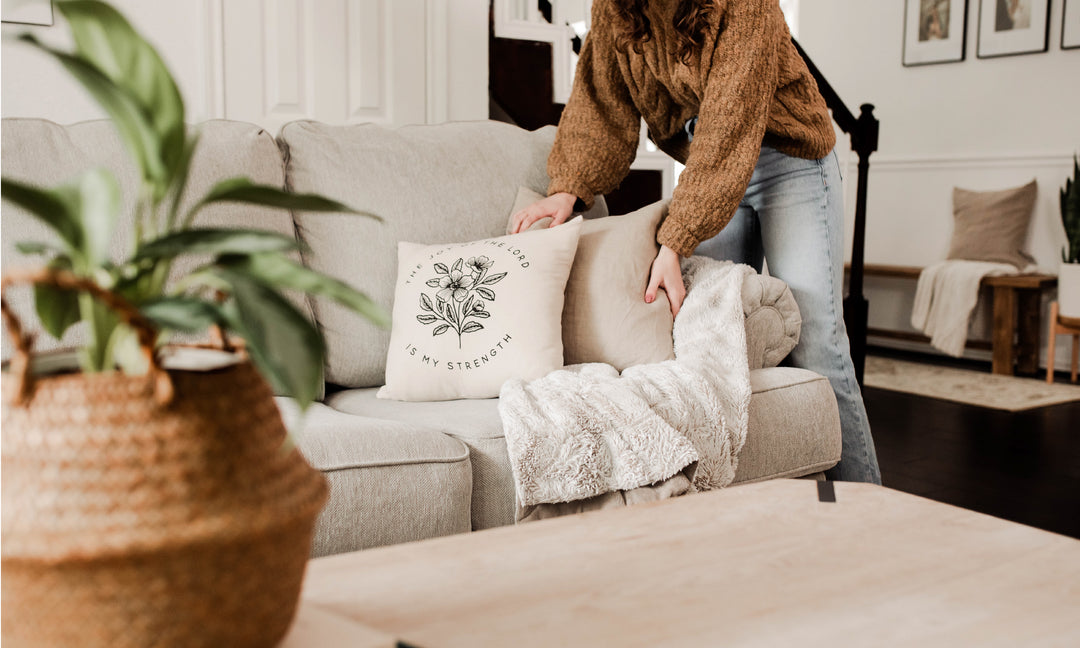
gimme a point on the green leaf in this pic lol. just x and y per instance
(124, 350)
(99, 201)
(33, 248)
(276, 271)
(179, 180)
(50, 206)
(285, 347)
(57, 309)
(96, 355)
(131, 122)
(186, 314)
(242, 190)
(105, 40)
(216, 241)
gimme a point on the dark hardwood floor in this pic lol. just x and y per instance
(1020, 466)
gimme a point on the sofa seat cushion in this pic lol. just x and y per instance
(794, 431)
(476, 423)
(391, 481)
(794, 426)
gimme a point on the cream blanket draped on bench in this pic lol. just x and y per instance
(588, 436)
(945, 296)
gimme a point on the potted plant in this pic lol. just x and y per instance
(145, 505)
(1069, 272)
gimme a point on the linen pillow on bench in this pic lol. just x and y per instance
(992, 225)
(469, 316)
(605, 318)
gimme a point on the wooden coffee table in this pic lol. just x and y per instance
(761, 564)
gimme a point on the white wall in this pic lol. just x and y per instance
(35, 86)
(407, 61)
(979, 124)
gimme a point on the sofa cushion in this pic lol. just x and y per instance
(794, 430)
(390, 481)
(448, 183)
(476, 423)
(606, 291)
(794, 426)
(47, 154)
(469, 317)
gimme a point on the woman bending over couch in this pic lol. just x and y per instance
(723, 90)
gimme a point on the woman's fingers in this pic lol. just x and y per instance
(676, 292)
(558, 207)
(654, 285)
(531, 216)
(667, 274)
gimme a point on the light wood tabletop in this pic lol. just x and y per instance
(759, 564)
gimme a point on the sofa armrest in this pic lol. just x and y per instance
(773, 321)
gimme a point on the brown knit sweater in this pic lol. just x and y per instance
(748, 85)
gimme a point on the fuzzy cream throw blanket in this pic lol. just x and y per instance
(586, 432)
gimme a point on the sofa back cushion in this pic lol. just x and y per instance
(46, 154)
(448, 183)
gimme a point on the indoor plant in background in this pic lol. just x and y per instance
(1069, 272)
(144, 505)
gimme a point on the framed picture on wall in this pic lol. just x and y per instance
(27, 12)
(1009, 27)
(1070, 25)
(934, 31)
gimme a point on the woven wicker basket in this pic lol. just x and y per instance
(160, 510)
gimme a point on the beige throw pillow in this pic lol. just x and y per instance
(469, 316)
(992, 225)
(605, 318)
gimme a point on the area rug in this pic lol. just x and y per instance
(964, 386)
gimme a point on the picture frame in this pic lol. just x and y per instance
(935, 31)
(27, 12)
(1013, 27)
(1070, 25)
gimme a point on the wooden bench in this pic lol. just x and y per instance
(1017, 316)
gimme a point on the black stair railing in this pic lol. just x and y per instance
(863, 131)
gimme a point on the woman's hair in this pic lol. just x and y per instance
(690, 21)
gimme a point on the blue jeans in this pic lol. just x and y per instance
(793, 215)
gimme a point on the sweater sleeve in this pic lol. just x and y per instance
(599, 129)
(731, 124)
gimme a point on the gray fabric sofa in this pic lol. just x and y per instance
(407, 471)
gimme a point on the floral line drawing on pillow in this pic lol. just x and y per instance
(460, 300)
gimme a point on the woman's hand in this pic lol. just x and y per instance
(667, 274)
(558, 206)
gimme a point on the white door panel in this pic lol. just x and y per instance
(336, 61)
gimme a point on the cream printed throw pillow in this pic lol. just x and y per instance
(469, 316)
